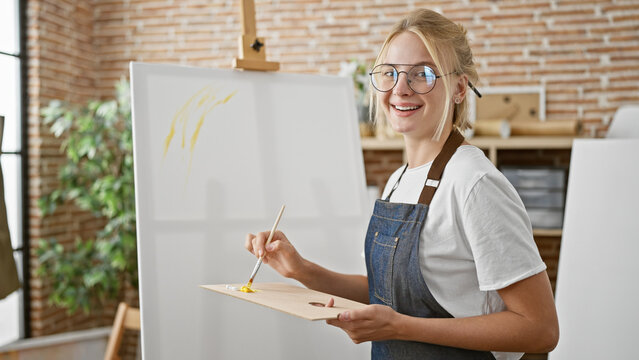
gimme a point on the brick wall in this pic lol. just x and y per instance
(585, 53)
(61, 61)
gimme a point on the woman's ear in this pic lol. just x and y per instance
(460, 88)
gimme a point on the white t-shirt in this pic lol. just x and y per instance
(477, 237)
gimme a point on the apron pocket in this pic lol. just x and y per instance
(381, 265)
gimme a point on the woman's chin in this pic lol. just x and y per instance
(413, 132)
(403, 129)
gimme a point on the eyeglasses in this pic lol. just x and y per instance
(421, 78)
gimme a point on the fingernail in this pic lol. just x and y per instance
(345, 316)
(260, 253)
(269, 247)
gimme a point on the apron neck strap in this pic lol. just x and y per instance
(396, 183)
(455, 139)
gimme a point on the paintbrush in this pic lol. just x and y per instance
(247, 288)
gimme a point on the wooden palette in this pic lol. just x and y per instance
(291, 299)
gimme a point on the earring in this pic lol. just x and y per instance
(457, 100)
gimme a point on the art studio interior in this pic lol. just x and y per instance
(146, 145)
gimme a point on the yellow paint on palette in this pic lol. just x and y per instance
(246, 289)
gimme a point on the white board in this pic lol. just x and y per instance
(243, 143)
(597, 293)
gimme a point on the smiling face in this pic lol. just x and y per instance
(409, 113)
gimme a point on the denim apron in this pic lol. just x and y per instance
(392, 264)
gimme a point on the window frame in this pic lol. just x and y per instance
(22, 154)
(24, 157)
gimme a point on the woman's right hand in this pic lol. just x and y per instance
(280, 254)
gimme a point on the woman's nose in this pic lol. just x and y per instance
(402, 87)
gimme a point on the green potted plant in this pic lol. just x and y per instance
(97, 177)
(358, 72)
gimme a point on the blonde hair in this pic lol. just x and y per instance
(448, 46)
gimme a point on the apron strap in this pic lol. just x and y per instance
(396, 183)
(455, 139)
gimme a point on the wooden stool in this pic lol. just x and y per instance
(125, 318)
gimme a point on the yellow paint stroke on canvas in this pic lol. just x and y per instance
(196, 133)
(200, 104)
(181, 115)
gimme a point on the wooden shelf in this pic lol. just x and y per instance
(548, 232)
(491, 144)
(523, 142)
(483, 142)
(372, 143)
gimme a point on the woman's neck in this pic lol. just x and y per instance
(420, 151)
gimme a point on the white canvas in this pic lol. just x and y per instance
(243, 143)
(597, 291)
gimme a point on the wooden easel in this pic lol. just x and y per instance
(252, 49)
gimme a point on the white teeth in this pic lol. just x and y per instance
(405, 108)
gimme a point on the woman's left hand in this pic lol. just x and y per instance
(371, 323)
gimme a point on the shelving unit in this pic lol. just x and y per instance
(492, 145)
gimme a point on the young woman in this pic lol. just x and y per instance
(453, 271)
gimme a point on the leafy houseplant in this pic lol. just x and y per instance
(97, 177)
(358, 72)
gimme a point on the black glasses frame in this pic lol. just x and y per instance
(408, 81)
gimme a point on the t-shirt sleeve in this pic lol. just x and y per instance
(499, 233)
